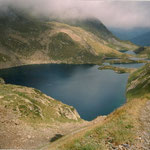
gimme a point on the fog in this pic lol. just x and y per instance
(118, 14)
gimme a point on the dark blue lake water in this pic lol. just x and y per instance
(91, 91)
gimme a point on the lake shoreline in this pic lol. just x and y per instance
(56, 80)
(46, 63)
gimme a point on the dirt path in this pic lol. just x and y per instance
(77, 132)
(145, 127)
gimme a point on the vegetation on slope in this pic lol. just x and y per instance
(139, 83)
(125, 61)
(26, 40)
(119, 70)
(96, 27)
(63, 47)
(121, 128)
(34, 106)
(30, 119)
(4, 58)
(143, 51)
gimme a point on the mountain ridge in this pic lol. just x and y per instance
(142, 40)
(28, 40)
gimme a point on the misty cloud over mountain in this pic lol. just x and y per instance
(129, 14)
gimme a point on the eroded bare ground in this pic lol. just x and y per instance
(144, 140)
(16, 134)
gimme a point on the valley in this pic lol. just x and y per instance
(70, 84)
(38, 42)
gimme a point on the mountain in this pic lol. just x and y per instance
(96, 27)
(142, 40)
(143, 51)
(25, 39)
(128, 34)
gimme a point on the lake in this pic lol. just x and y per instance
(91, 91)
(132, 65)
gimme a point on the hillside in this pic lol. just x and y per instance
(142, 40)
(96, 27)
(125, 128)
(29, 118)
(139, 83)
(27, 40)
(143, 51)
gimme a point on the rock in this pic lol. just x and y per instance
(2, 81)
(29, 136)
(126, 145)
(120, 147)
(68, 112)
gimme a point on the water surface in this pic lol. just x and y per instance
(132, 65)
(130, 52)
(91, 91)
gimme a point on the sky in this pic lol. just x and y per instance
(123, 14)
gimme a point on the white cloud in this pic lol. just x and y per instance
(119, 14)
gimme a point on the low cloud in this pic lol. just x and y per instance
(118, 14)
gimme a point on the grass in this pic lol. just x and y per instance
(59, 46)
(119, 70)
(143, 51)
(96, 27)
(55, 41)
(63, 47)
(125, 61)
(138, 84)
(4, 58)
(119, 128)
(32, 106)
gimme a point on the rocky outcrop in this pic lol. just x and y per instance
(2, 81)
(68, 112)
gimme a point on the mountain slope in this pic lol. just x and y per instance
(139, 83)
(27, 40)
(96, 27)
(142, 40)
(143, 51)
(29, 118)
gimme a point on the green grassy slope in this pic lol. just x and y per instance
(121, 128)
(27, 40)
(33, 106)
(143, 51)
(139, 83)
(30, 119)
(96, 27)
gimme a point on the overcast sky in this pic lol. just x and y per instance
(119, 14)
